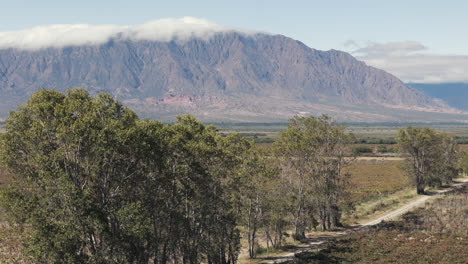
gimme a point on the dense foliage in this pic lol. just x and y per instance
(95, 184)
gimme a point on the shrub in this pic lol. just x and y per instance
(385, 149)
(361, 149)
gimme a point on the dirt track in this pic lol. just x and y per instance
(317, 242)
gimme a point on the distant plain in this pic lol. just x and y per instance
(358, 129)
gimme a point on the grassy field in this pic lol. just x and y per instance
(358, 129)
(437, 233)
(375, 177)
(376, 185)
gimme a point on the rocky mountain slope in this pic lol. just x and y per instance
(228, 77)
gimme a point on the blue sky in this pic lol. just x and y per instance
(439, 27)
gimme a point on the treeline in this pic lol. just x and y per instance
(375, 140)
(255, 137)
(95, 184)
(358, 150)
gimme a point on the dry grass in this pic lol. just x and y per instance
(288, 245)
(463, 147)
(376, 186)
(443, 215)
(10, 246)
(378, 206)
(375, 177)
(437, 233)
(393, 246)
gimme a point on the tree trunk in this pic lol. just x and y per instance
(419, 185)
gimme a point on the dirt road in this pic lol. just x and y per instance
(317, 242)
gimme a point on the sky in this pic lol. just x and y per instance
(418, 41)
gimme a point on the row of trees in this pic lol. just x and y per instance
(95, 184)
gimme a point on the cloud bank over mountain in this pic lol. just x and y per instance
(58, 36)
(411, 62)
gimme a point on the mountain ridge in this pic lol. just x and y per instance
(229, 76)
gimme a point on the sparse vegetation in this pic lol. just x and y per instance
(436, 233)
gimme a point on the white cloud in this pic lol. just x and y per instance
(83, 34)
(390, 48)
(410, 61)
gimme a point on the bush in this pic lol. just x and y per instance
(385, 149)
(361, 149)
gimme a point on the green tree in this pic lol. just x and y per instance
(431, 156)
(94, 184)
(258, 197)
(204, 166)
(311, 153)
(69, 155)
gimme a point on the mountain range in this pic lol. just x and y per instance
(228, 77)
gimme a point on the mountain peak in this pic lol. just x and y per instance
(229, 76)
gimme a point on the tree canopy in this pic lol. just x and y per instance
(431, 159)
(95, 184)
(311, 153)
